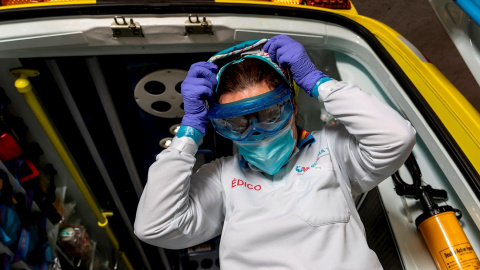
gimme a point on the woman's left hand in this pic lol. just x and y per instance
(288, 53)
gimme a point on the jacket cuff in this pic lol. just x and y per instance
(184, 144)
(191, 132)
(326, 88)
(316, 90)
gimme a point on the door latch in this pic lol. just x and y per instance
(193, 26)
(124, 29)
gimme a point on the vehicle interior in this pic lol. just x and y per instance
(109, 85)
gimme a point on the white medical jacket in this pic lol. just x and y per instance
(301, 218)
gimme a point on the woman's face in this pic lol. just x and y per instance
(256, 90)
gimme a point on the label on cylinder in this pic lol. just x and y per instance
(461, 256)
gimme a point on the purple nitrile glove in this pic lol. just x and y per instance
(197, 87)
(288, 53)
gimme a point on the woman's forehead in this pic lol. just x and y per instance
(251, 91)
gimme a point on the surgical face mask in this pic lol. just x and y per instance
(270, 153)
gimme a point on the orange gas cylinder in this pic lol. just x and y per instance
(446, 240)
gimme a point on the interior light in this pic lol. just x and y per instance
(23, 2)
(19, 2)
(174, 129)
(289, 2)
(165, 142)
(333, 4)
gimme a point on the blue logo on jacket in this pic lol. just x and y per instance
(301, 169)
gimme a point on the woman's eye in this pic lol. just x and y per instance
(238, 124)
(270, 115)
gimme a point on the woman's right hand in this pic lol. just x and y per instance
(197, 88)
(290, 54)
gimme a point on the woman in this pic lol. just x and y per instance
(285, 200)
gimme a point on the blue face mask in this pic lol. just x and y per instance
(271, 153)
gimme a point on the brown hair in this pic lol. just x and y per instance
(245, 74)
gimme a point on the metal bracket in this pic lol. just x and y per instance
(124, 29)
(196, 27)
(22, 83)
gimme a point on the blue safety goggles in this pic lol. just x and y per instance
(253, 117)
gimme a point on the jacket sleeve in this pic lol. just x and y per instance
(178, 209)
(372, 141)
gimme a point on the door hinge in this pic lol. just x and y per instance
(193, 26)
(121, 28)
